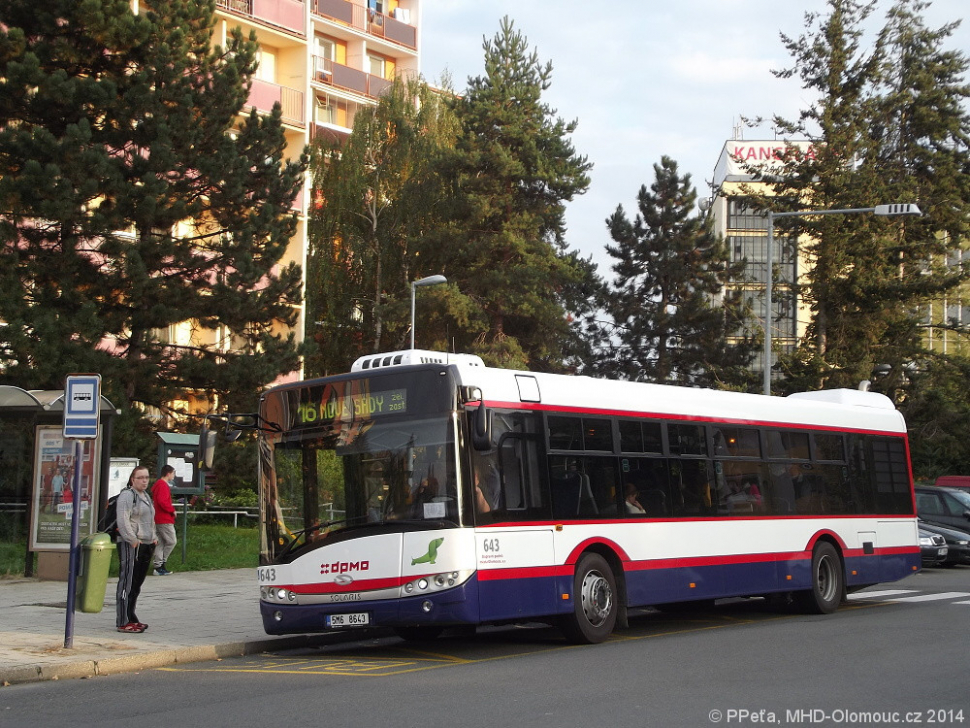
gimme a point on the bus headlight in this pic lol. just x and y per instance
(277, 594)
(436, 582)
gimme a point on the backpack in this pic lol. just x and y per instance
(109, 521)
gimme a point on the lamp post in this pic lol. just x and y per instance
(882, 210)
(429, 281)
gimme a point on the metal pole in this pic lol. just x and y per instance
(428, 281)
(768, 282)
(413, 283)
(185, 526)
(75, 556)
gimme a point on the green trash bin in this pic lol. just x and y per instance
(92, 578)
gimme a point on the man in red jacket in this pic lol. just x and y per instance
(164, 519)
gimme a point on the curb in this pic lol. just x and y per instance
(175, 656)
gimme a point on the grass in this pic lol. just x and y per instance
(207, 547)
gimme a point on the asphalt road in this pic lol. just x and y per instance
(898, 657)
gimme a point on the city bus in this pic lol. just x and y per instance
(424, 490)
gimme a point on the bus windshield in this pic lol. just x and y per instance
(353, 472)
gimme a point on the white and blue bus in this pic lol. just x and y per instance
(424, 490)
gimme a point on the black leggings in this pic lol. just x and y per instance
(134, 563)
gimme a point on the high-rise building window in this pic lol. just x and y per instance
(377, 65)
(743, 217)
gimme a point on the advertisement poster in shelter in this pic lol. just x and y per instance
(53, 491)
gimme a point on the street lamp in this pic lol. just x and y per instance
(882, 210)
(429, 281)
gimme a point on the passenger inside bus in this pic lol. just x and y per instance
(633, 506)
(744, 495)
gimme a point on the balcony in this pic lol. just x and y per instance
(264, 94)
(338, 75)
(368, 21)
(285, 14)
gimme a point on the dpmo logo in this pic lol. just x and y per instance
(344, 567)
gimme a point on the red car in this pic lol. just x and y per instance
(954, 481)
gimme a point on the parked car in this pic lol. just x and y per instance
(957, 542)
(954, 481)
(948, 507)
(933, 548)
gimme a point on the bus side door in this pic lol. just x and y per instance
(516, 559)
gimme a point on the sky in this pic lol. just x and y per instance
(643, 80)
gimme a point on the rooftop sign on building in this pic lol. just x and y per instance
(739, 159)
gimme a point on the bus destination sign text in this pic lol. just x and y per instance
(353, 407)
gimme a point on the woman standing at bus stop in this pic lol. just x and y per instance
(136, 544)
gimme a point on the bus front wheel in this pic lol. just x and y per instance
(594, 602)
(828, 581)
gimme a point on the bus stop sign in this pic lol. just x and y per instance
(82, 406)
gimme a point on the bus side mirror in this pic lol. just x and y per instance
(482, 428)
(207, 446)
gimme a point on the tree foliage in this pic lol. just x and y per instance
(133, 202)
(888, 125)
(375, 199)
(502, 241)
(676, 319)
(937, 413)
(472, 186)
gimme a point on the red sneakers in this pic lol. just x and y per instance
(133, 627)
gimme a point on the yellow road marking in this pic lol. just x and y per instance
(360, 666)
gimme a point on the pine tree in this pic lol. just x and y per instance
(887, 122)
(501, 242)
(58, 85)
(134, 202)
(937, 412)
(675, 319)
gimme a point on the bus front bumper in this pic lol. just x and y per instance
(452, 607)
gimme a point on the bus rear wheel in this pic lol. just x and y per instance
(828, 581)
(594, 602)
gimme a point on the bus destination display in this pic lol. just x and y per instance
(353, 407)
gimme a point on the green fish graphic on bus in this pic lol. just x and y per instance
(429, 558)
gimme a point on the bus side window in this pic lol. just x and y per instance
(566, 489)
(516, 478)
(692, 483)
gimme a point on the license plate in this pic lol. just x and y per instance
(355, 619)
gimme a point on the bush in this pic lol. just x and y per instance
(242, 498)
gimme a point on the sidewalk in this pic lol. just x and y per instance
(194, 616)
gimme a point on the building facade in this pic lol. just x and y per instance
(322, 61)
(745, 230)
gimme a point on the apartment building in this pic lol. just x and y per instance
(322, 61)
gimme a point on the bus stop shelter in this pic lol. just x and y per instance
(28, 419)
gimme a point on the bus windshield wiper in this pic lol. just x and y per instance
(306, 532)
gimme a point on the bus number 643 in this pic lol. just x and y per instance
(490, 545)
(267, 574)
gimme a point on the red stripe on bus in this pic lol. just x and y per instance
(355, 586)
(695, 561)
(529, 572)
(681, 562)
